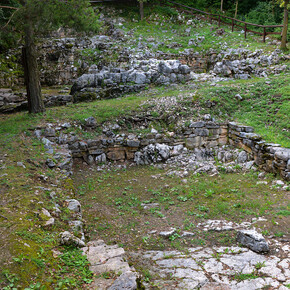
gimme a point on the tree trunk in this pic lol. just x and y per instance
(222, 2)
(31, 74)
(141, 9)
(236, 11)
(285, 26)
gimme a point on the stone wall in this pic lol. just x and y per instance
(203, 134)
(117, 81)
(268, 156)
(123, 147)
(14, 102)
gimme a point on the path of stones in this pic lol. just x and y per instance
(199, 268)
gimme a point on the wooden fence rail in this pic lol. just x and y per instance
(222, 19)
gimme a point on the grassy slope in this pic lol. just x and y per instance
(265, 105)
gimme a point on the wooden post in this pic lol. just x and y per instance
(264, 35)
(245, 30)
(233, 25)
(219, 20)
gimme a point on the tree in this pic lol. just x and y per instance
(284, 3)
(236, 10)
(141, 4)
(33, 18)
(141, 8)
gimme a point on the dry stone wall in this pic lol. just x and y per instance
(155, 147)
(268, 156)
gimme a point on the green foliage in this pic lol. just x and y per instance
(241, 277)
(265, 14)
(44, 16)
(52, 14)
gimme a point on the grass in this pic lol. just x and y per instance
(241, 277)
(163, 24)
(122, 220)
(266, 107)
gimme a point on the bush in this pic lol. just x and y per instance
(264, 14)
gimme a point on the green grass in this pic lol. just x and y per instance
(241, 277)
(162, 23)
(266, 107)
(121, 219)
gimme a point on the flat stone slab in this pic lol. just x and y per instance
(104, 258)
(216, 268)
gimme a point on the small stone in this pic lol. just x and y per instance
(242, 157)
(101, 158)
(91, 122)
(238, 97)
(167, 234)
(73, 205)
(207, 117)
(187, 234)
(68, 239)
(20, 164)
(49, 220)
(262, 175)
(149, 205)
(279, 183)
(50, 163)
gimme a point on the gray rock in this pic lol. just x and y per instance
(140, 78)
(253, 240)
(133, 143)
(193, 142)
(20, 164)
(248, 165)
(37, 133)
(101, 158)
(76, 225)
(50, 163)
(152, 153)
(91, 122)
(126, 281)
(207, 117)
(238, 97)
(164, 68)
(68, 239)
(167, 234)
(89, 159)
(184, 69)
(104, 258)
(47, 143)
(177, 150)
(201, 132)
(187, 234)
(73, 205)
(199, 124)
(66, 164)
(49, 220)
(49, 132)
(242, 157)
